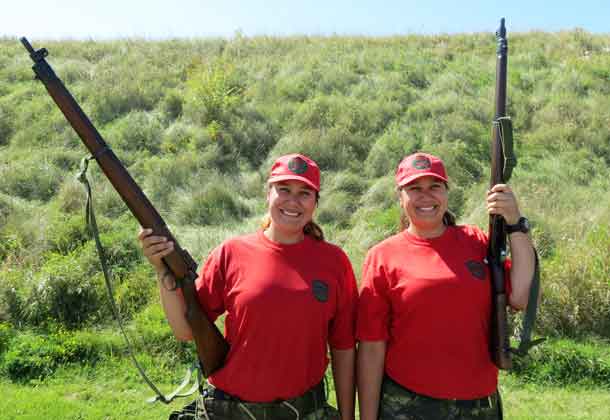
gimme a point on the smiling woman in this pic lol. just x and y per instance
(425, 307)
(423, 194)
(282, 311)
(293, 193)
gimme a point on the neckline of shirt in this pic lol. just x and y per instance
(298, 246)
(428, 241)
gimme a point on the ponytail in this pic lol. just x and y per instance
(312, 229)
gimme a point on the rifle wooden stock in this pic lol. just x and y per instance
(212, 348)
(499, 338)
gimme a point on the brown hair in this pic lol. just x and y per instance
(311, 228)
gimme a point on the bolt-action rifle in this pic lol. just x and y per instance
(502, 164)
(211, 346)
(503, 161)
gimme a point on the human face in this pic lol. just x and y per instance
(425, 201)
(291, 207)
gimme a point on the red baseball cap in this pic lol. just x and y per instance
(297, 167)
(417, 165)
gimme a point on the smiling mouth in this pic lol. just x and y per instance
(290, 213)
(427, 209)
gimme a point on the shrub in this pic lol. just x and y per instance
(157, 337)
(382, 193)
(67, 233)
(33, 356)
(13, 296)
(210, 204)
(576, 298)
(72, 197)
(399, 140)
(6, 334)
(66, 292)
(6, 124)
(136, 132)
(32, 177)
(253, 135)
(181, 137)
(332, 149)
(336, 207)
(213, 90)
(562, 363)
(135, 290)
(171, 105)
(6, 207)
(349, 182)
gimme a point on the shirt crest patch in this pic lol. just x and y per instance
(320, 290)
(476, 268)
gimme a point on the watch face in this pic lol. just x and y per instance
(525, 225)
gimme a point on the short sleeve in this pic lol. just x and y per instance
(341, 332)
(210, 285)
(373, 313)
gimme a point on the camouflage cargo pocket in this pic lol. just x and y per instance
(397, 403)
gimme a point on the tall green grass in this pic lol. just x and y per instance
(199, 122)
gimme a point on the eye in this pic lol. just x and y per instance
(283, 189)
(305, 193)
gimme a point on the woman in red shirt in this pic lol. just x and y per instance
(287, 295)
(424, 308)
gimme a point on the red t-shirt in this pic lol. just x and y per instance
(284, 304)
(429, 299)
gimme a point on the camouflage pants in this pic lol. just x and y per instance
(206, 407)
(398, 403)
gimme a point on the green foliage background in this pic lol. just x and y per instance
(198, 123)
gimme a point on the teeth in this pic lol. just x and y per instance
(427, 208)
(290, 213)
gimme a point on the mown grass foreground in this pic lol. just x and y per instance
(108, 393)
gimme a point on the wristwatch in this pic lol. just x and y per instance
(522, 225)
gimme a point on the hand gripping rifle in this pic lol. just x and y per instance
(503, 161)
(211, 346)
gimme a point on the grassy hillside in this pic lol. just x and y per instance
(198, 122)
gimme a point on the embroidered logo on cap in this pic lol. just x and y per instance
(297, 165)
(320, 290)
(476, 268)
(421, 162)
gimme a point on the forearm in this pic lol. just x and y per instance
(370, 368)
(174, 306)
(343, 366)
(522, 268)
